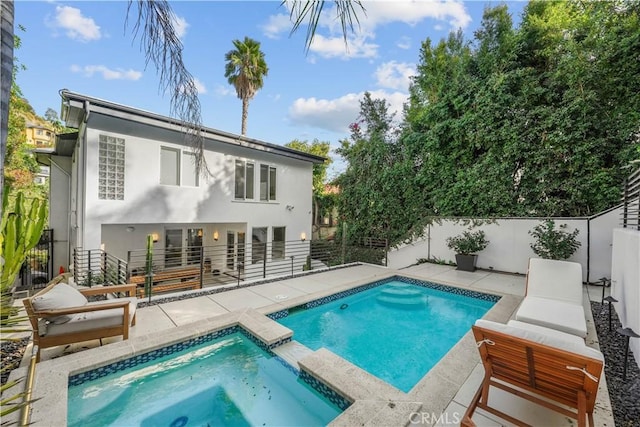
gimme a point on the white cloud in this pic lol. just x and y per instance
(404, 43)
(77, 26)
(336, 115)
(411, 12)
(277, 24)
(200, 87)
(334, 47)
(107, 73)
(180, 25)
(395, 75)
(224, 90)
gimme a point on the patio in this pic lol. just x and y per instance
(440, 398)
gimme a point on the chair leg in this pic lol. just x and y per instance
(582, 410)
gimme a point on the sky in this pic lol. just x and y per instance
(89, 47)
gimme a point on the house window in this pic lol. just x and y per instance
(244, 180)
(267, 183)
(190, 175)
(39, 132)
(277, 243)
(111, 168)
(258, 244)
(169, 166)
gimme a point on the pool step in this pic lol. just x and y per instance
(415, 302)
(291, 352)
(401, 292)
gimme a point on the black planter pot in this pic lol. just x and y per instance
(466, 262)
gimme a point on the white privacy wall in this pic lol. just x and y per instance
(625, 281)
(509, 244)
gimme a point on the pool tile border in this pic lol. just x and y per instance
(424, 283)
(102, 371)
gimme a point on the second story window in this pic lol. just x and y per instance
(169, 166)
(267, 183)
(178, 168)
(244, 178)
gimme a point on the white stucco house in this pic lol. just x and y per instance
(128, 173)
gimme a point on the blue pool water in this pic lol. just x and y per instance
(396, 331)
(229, 381)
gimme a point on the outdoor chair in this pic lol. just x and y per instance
(550, 368)
(61, 314)
(553, 296)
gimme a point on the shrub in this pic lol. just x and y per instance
(552, 242)
(468, 242)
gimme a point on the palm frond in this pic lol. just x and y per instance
(310, 11)
(163, 48)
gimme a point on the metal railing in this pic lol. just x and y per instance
(97, 267)
(631, 201)
(238, 263)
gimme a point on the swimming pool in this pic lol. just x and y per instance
(227, 381)
(397, 329)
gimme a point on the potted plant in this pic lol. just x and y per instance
(552, 242)
(465, 246)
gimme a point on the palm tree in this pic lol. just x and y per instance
(6, 56)
(245, 70)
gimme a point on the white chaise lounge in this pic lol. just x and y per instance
(554, 296)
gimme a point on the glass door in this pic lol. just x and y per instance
(194, 245)
(241, 240)
(173, 248)
(231, 250)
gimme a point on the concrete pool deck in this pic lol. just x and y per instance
(440, 398)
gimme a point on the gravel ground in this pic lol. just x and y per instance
(11, 352)
(625, 395)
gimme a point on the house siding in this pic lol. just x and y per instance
(146, 201)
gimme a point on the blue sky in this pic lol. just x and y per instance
(85, 47)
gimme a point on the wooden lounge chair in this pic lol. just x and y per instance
(61, 314)
(559, 374)
(554, 296)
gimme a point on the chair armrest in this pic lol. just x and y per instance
(101, 290)
(82, 309)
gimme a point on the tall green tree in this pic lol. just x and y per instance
(378, 196)
(245, 69)
(537, 120)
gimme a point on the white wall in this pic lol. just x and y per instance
(625, 281)
(509, 244)
(148, 202)
(59, 205)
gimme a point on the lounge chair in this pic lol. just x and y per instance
(554, 296)
(61, 314)
(550, 368)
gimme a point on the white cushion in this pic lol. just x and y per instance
(561, 280)
(573, 339)
(554, 314)
(58, 297)
(543, 337)
(95, 319)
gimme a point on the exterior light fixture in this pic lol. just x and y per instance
(303, 236)
(215, 236)
(155, 237)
